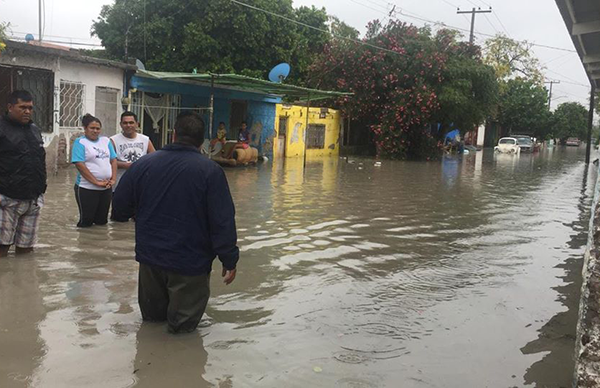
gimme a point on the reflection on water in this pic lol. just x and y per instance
(354, 275)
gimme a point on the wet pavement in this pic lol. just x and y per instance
(460, 273)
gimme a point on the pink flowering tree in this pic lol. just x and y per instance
(397, 85)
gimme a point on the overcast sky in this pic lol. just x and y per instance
(537, 21)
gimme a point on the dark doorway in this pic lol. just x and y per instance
(239, 110)
(148, 130)
(281, 137)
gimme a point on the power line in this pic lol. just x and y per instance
(367, 6)
(490, 23)
(55, 36)
(63, 42)
(315, 28)
(414, 16)
(501, 24)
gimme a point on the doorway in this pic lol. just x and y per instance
(282, 136)
(239, 110)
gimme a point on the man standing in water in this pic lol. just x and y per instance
(22, 175)
(129, 146)
(185, 217)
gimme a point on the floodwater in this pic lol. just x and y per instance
(460, 273)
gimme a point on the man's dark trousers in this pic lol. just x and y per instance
(178, 299)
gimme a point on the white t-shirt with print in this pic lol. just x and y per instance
(129, 150)
(97, 156)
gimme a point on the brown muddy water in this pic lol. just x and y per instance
(461, 273)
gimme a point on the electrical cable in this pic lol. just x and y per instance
(315, 28)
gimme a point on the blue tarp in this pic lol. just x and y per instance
(452, 134)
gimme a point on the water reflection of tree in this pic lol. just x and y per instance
(558, 335)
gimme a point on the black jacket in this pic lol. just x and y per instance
(22, 160)
(184, 214)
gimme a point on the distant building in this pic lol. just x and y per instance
(157, 97)
(322, 138)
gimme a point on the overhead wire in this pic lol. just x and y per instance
(490, 23)
(64, 42)
(315, 28)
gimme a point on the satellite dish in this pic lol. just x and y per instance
(139, 64)
(29, 38)
(279, 73)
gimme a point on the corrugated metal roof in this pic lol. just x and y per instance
(244, 83)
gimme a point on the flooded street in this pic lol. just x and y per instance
(460, 273)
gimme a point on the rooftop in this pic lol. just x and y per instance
(582, 19)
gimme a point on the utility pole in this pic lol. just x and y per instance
(40, 20)
(473, 12)
(588, 146)
(550, 94)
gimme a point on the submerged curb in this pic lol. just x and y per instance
(587, 346)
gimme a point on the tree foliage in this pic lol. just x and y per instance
(3, 35)
(416, 80)
(468, 93)
(523, 108)
(570, 120)
(217, 36)
(511, 59)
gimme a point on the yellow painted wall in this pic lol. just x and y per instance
(296, 122)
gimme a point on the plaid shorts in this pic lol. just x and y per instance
(19, 220)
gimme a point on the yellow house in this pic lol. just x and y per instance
(322, 138)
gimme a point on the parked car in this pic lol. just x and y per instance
(525, 142)
(573, 141)
(508, 145)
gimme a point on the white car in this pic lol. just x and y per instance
(508, 145)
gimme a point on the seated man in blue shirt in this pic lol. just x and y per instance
(185, 217)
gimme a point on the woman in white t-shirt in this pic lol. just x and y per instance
(95, 159)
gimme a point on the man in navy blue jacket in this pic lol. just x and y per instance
(184, 218)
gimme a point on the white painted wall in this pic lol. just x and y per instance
(89, 74)
(92, 76)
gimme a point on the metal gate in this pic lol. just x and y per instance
(40, 83)
(157, 119)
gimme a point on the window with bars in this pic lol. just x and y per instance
(315, 136)
(40, 83)
(72, 98)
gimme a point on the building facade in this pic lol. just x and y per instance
(322, 137)
(65, 85)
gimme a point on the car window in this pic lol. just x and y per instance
(506, 141)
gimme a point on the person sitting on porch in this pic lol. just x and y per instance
(221, 135)
(244, 135)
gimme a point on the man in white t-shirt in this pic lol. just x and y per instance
(129, 146)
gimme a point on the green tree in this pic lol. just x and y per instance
(468, 93)
(570, 120)
(511, 59)
(523, 108)
(217, 36)
(3, 35)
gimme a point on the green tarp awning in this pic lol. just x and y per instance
(244, 83)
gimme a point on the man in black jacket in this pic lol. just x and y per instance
(184, 218)
(22, 175)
